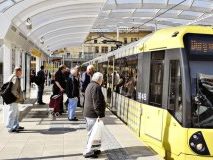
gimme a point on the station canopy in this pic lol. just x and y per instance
(56, 24)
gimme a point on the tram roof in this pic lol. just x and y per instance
(64, 23)
(169, 38)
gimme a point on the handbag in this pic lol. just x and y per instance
(7, 96)
(96, 134)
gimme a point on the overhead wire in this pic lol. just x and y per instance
(133, 28)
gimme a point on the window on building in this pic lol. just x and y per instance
(156, 78)
(95, 41)
(96, 49)
(89, 49)
(68, 54)
(33, 58)
(104, 49)
(125, 40)
(133, 39)
(113, 48)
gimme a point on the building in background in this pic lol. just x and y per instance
(95, 45)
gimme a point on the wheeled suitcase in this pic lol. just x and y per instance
(54, 105)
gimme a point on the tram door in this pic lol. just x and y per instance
(154, 112)
(110, 69)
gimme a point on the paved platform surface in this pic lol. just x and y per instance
(51, 138)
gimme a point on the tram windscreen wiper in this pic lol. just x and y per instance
(205, 100)
(205, 89)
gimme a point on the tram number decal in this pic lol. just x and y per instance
(142, 96)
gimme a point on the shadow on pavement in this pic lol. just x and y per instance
(51, 131)
(48, 157)
(130, 153)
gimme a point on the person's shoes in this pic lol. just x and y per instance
(73, 119)
(14, 131)
(90, 155)
(97, 152)
(42, 103)
(20, 128)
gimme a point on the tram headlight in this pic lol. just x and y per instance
(198, 144)
(199, 147)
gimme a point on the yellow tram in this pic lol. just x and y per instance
(170, 75)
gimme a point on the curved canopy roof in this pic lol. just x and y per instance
(55, 24)
(52, 24)
(136, 15)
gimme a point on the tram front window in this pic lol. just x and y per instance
(202, 93)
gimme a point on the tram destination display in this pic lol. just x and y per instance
(199, 44)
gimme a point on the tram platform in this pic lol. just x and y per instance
(46, 137)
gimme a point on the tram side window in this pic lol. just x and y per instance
(175, 90)
(156, 78)
(125, 76)
(102, 67)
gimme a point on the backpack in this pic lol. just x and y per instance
(37, 80)
(6, 93)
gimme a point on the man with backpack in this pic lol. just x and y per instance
(40, 80)
(12, 123)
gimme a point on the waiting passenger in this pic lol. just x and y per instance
(131, 86)
(85, 79)
(121, 84)
(67, 74)
(32, 77)
(13, 115)
(60, 84)
(40, 83)
(72, 90)
(94, 108)
(78, 80)
(116, 78)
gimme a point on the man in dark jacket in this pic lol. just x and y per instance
(72, 90)
(94, 107)
(85, 80)
(41, 80)
(86, 77)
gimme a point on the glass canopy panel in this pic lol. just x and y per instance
(173, 11)
(154, 1)
(5, 5)
(17, 1)
(147, 10)
(122, 11)
(174, 2)
(111, 2)
(203, 3)
(190, 13)
(128, 1)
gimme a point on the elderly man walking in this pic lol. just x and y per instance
(94, 108)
